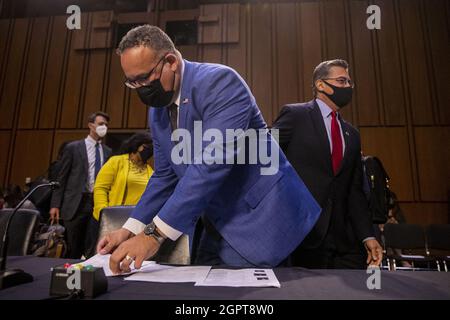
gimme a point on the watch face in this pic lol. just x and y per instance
(149, 229)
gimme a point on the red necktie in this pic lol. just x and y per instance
(336, 140)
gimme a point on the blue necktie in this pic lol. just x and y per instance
(98, 163)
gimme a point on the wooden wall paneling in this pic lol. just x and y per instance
(210, 24)
(426, 213)
(52, 87)
(115, 98)
(31, 154)
(416, 62)
(188, 52)
(309, 39)
(335, 29)
(100, 32)
(33, 77)
(94, 83)
(212, 53)
(237, 52)
(389, 68)
(5, 138)
(438, 36)
(210, 35)
(80, 37)
(335, 36)
(137, 112)
(390, 145)
(287, 56)
(13, 73)
(218, 23)
(5, 33)
(73, 81)
(433, 159)
(262, 69)
(61, 136)
(365, 98)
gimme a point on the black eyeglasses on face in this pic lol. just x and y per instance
(142, 81)
(343, 81)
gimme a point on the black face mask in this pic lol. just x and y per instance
(146, 154)
(154, 95)
(341, 96)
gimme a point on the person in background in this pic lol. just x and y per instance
(80, 163)
(325, 150)
(12, 196)
(122, 180)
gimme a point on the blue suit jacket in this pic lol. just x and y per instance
(263, 217)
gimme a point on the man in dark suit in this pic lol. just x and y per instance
(80, 164)
(256, 217)
(326, 153)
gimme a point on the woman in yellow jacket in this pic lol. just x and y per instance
(123, 178)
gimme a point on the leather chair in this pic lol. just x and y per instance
(172, 252)
(438, 240)
(21, 230)
(410, 239)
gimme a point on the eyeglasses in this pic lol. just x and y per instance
(343, 81)
(142, 81)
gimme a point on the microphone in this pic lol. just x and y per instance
(10, 278)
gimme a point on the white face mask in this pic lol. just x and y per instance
(101, 130)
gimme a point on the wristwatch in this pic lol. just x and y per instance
(151, 231)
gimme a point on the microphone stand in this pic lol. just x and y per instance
(10, 278)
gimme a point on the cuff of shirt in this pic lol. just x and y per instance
(134, 225)
(169, 232)
(368, 238)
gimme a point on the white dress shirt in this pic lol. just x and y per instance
(326, 114)
(90, 148)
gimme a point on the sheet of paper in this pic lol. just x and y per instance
(102, 261)
(170, 274)
(240, 278)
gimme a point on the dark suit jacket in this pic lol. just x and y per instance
(304, 140)
(73, 176)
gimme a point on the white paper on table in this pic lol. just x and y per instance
(170, 274)
(102, 261)
(240, 278)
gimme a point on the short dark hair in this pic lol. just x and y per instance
(148, 36)
(94, 115)
(132, 144)
(322, 70)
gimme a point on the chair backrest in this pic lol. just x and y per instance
(404, 236)
(438, 236)
(21, 230)
(173, 252)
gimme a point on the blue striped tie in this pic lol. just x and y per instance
(98, 161)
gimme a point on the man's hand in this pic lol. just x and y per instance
(137, 249)
(112, 240)
(54, 215)
(374, 252)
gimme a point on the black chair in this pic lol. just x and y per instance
(438, 239)
(173, 252)
(21, 230)
(407, 242)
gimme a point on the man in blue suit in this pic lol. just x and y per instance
(254, 217)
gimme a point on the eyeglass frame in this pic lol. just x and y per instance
(347, 81)
(140, 82)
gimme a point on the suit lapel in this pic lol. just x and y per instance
(321, 131)
(185, 97)
(84, 157)
(347, 138)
